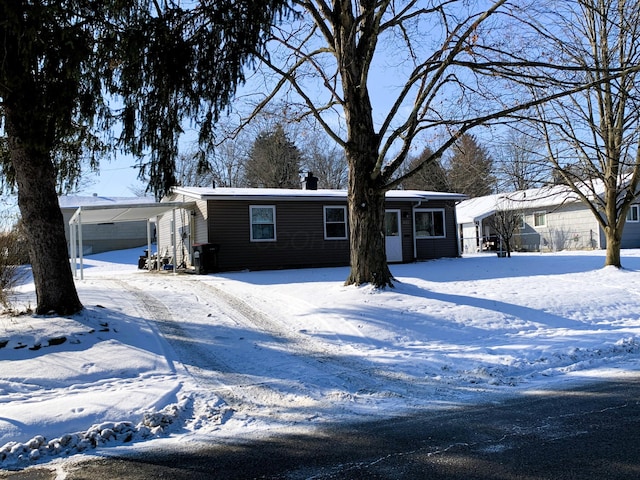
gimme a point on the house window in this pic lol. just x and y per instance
(429, 223)
(520, 222)
(632, 214)
(335, 223)
(263, 223)
(539, 219)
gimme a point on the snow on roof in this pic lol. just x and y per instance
(475, 209)
(75, 201)
(224, 193)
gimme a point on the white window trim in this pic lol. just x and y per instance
(631, 208)
(324, 225)
(444, 222)
(545, 219)
(273, 208)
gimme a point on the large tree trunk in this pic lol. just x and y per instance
(614, 242)
(366, 188)
(43, 222)
(367, 238)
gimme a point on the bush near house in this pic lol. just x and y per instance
(13, 253)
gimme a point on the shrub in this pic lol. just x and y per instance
(13, 254)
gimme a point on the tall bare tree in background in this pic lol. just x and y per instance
(521, 161)
(593, 136)
(326, 160)
(438, 65)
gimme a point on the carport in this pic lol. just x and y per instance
(94, 214)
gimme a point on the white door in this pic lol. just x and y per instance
(393, 235)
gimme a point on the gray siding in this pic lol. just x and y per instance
(107, 236)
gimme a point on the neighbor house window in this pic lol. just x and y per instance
(429, 223)
(263, 223)
(335, 223)
(632, 214)
(540, 219)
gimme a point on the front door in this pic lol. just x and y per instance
(393, 237)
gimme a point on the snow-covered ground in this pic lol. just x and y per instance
(162, 358)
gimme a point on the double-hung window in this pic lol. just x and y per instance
(632, 214)
(540, 219)
(429, 223)
(335, 223)
(263, 223)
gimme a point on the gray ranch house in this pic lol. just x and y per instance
(550, 219)
(224, 229)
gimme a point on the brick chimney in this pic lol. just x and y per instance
(310, 182)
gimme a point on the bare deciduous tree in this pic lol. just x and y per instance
(505, 222)
(464, 75)
(593, 136)
(326, 160)
(521, 161)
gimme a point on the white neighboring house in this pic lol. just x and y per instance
(103, 237)
(551, 219)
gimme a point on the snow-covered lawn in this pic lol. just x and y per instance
(178, 358)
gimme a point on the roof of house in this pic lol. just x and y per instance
(224, 193)
(476, 209)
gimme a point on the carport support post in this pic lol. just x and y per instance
(72, 247)
(80, 242)
(175, 240)
(149, 245)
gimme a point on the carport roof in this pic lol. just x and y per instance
(123, 212)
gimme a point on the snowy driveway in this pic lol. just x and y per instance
(261, 367)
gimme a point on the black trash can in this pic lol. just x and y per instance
(205, 257)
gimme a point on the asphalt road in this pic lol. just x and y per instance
(591, 432)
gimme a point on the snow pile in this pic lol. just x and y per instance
(192, 357)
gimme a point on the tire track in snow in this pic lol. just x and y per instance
(251, 394)
(352, 375)
(307, 377)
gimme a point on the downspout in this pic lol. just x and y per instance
(458, 237)
(81, 248)
(72, 247)
(413, 221)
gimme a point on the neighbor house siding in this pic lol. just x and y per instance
(631, 235)
(104, 237)
(569, 227)
(299, 236)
